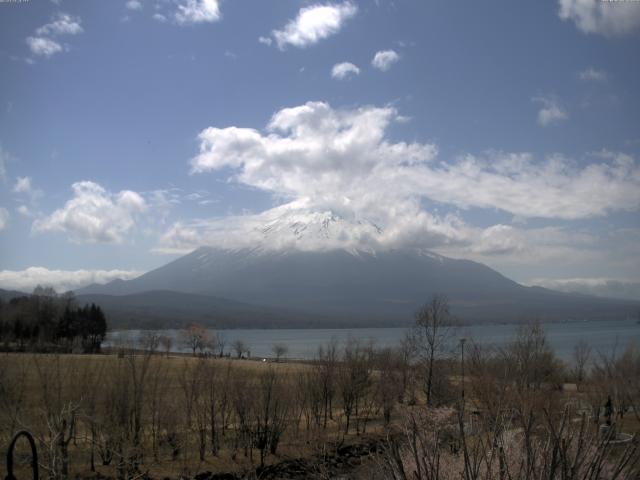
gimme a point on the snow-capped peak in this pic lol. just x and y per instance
(317, 230)
(316, 225)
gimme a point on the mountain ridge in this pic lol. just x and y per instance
(359, 286)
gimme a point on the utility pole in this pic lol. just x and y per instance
(462, 341)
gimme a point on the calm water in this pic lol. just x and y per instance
(603, 336)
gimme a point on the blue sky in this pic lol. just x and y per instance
(506, 132)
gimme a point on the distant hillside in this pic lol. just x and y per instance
(7, 295)
(263, 287)
(166, 309)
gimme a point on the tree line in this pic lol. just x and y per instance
(46, 321)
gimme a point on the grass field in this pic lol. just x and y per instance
(131, 413)
(38, 388)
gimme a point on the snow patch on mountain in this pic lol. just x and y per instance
(290, 227)
(307, 230)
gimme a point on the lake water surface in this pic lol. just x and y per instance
(603, 336)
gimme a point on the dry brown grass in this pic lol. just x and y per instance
(27, 370)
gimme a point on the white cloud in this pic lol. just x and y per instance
(314, 151)
(524, 246)
(62, 280)
(94, 214)
(318, 160)
(4, 218)
(24, 211)
(551, 111)
(26, 191)
(344, 70)
(265, 40)
(593, 75)
(604, 287)
(301, 225)
(134, 5)
(307, 148)
(23, 185)
(384, 59)
(4, 159)
(61, 24)
(609, 18)
(314, 23)
(43, 46)
(197, 11)
(159, 17)
(554, 187)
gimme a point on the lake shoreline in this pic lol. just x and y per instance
(602, 335)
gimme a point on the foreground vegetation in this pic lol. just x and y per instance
(475, 413)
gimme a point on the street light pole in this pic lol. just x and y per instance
(462, 340)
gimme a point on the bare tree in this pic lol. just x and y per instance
(388, 363)
(326, 364)
(581, 356)
(616, 376)
(243, 400)
(354, 380)
(433, 327)
(406, 355)
(239, 347)
(279, 350)
(564, 449)
(531, 359)
(166, 342)
(60, 404)
(221, 342)
(270, 412)
(149, 341)
(138, 370)
(194, 338)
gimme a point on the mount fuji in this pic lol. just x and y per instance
(301, 270)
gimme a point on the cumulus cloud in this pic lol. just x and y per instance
(134, 5)
(45, 42)
(26, 192)
(304, 226)
(4, 159)
(604, 287)
(94, 214)
(43, 46)
(340, 163)
(4, 218)
(308, 148)
(344, 70)
(23, 185)
(602, 17)
(593, 75)
(342, 157)
(265, 40)
(61, 280)
(384, 59)
(24, 211)
(61, 24)
(197, 11)
(551, 112)
(314, 23)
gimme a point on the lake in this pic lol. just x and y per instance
(603, 336)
